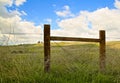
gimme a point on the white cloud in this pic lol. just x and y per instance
(4, 12)
(23, 13)
(117, 4)
(11, 22)
(100, 19)
(6, 2)
(19, 2)
(65, 12)
(11, 2)
(17, 25)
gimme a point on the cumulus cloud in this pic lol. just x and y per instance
(4, 12)
(6, 2)
(65, 12)
(11, 2)
(11, 22)
(19, 2)
(88, 24)
(117, 4)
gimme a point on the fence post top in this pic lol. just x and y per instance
(46, 24)
(102, 30)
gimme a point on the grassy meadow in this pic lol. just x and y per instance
(70, 63)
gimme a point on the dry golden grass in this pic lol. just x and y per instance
(71, 62)
(114, 44)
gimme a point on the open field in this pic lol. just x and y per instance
(70, 63)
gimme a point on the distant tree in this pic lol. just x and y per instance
(39, 42)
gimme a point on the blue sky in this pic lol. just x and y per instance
(40, 10)
(76, 18)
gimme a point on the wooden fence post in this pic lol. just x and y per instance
(46, 48)
(102, 51)
(47, 38)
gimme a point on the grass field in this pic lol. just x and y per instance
(70, 63)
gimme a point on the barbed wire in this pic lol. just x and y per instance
(113, 37)
(22, 33)
(16, 36)
(43, 34)
(35, 36)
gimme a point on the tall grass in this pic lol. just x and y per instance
(70, 63)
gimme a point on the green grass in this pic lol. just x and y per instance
(70, 63)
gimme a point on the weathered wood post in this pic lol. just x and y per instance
(46, 48)
(102, 50)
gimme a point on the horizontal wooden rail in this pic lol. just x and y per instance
(47, 39)
(74, 39)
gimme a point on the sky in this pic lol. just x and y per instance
(74, 18)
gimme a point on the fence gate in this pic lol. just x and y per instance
(47, 38)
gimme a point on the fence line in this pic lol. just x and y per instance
(47, 39)
(62, 48)
(107, 37)
(22, 33)
(39, 34)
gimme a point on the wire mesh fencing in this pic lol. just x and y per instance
(113, 57)
(26, 59)
(84, 57)
(75, 57)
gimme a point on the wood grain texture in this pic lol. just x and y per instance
(46, 48)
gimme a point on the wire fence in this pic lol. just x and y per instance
(66, 57)
(84, 57)
(26, 38)
(20, 38)
(74, 58)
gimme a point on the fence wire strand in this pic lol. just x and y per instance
(69, 58)
(74, 58)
